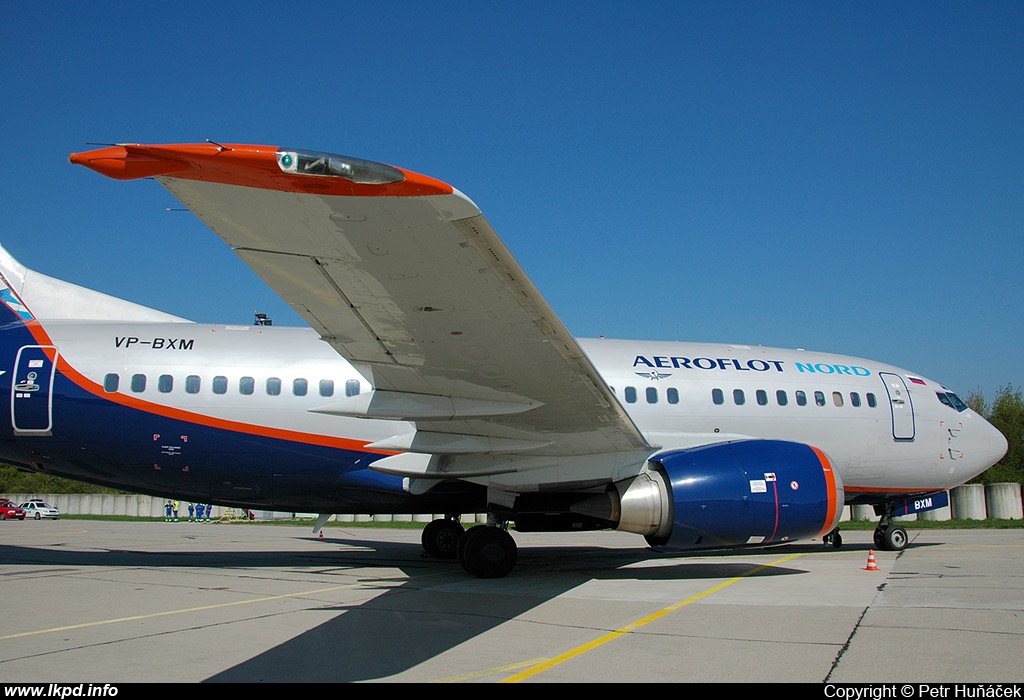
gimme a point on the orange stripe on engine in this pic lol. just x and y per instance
(830, 482)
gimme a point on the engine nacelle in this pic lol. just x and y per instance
(732, 494)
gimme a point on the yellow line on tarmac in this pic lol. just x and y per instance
(165, 613)
(633, 626)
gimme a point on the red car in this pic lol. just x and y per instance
(8, 510)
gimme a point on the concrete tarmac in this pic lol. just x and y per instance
(105, 602)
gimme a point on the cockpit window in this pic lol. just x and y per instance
(951, 400)
(958, 403)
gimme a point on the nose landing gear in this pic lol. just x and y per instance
(889, 536)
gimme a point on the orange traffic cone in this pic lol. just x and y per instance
(321, 535)
(872, 566)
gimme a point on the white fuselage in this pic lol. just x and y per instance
(884, 428)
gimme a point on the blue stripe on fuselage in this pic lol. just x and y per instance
(100, 441)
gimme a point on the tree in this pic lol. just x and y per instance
(1007, 414)
(14, 480)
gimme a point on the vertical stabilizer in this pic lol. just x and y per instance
(33, 295)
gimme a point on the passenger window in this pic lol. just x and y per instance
(762, 397)
(781, 397)
(165, 383)
(352, 387)
(801, 398)
(837, 398)
(111, 382)
(872, 401)
(737, 397)
(220, 385)
(652, 395)
(273, 386)
(246, 385)
(300, 387)
(138, 383)
(717, 397)
(192, 384)
(630, 394)
(854, 399)
(819, 398)
(672, 395)
(327, 387)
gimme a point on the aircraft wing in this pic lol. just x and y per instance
(404, 277)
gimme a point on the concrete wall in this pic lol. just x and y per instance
(967, 502)
(152, 507)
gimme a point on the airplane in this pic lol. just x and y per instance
(433, 378)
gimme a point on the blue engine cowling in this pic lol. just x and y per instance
(732, 494)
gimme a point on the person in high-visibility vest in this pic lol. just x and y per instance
(176, 504)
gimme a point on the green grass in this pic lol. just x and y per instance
(303, 522)
(938, 524)
(308, 522)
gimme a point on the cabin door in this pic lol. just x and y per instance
(901, 406)
(32, 390)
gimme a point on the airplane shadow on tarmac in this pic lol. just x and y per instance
(415, 620)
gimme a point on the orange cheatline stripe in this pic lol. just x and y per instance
(83, 382)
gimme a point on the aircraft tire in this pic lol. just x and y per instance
(895, 538)
(487, 552)
(440, 538)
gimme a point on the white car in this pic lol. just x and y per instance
(39, 509)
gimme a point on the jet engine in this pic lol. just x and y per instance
(731, 494)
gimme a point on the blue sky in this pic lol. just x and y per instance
(836, 176)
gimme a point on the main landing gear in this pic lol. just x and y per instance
(486, 551)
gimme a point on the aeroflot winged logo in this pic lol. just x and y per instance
(656, 362)
(9, 298)
(654, 375)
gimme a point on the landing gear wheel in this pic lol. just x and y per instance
(440, 538)
(895, 539)
(487, 552)
(833, 539)
(891, 538)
